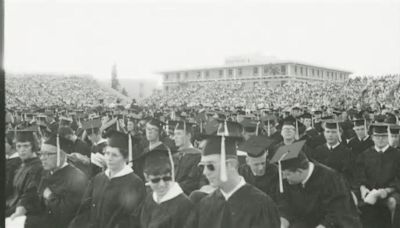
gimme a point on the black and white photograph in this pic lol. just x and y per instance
(200, 113)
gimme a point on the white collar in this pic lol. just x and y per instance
(125, 171)
(227, 195)
(383, 149)
(63, 165)
(152, 146)
(363, 139)
(100, 141)
(14, 155)
(173, 192)
(309, 128)
(334, 146)
(310, 171)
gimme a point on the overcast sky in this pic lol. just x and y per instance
(144, 37)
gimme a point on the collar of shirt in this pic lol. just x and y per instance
(152, 146)
(334, 146)
(14, 155)
(173, 192)
(100, 141)
(125, 171)
(383, 150)
(309, 128)
(363, 139)
(227, 195)
(310, 171)
(65, 164)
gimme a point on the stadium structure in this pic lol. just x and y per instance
(251, 70)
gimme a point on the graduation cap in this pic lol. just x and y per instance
(62, 146)
(333, 125)
(182, 125)
(289, 157)
(91, 126)
(65, 120)
(157, 123)
(250, 125)
(121, 140)
(268, 121)
(26, 135)
(380, 128)
(255, 146)
(158, 162)
(394, 129)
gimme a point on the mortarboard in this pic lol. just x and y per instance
(291, 121)
(394, 129)
(250, 125)
(255, 146)
(158, 162)
(287, 157)
(380, 128)
(334, 125)
(61, 144)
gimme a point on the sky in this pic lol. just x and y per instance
(146, 37)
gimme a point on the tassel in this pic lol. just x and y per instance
(365, 128)
(258, 123)
(118, 128)
(167, 128)
(312, 122)
(223, 174)
(297, 136)
(269, 129)
(172, 164)
(280, 172)
(201, 127)
(130, 155)
(58, 151)
(338, 131)
(389, 136)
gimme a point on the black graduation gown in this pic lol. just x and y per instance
(67, 186)
(94, 169)
(171, 213)
(187, 173)
(12, 166)
(83, 148)
(112, 203)
(197, 195)
(357, 147)
(378, 170)
(25, 185)
(268, 183)
(337, 159)
(325, 200)
(247, 207)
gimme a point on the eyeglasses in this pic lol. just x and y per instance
(210, 167)
(158, 179)
(45, 154)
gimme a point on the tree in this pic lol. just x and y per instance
(124, 92)
(114, 78)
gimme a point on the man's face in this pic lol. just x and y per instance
(114, 158)
(293, 177)
(360, 131)
(331, 135)
(130, 126)
(288, 132)
(152, 132)
(179, 138)
(257, 165)
(211, 169)
(380, 140)
(8, 148)
(247, 135)
(160, 184)
(395, 139)
(48, 157)
(307, 122)
(24, 150)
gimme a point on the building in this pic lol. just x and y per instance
(253, 69)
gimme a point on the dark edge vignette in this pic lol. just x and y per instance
(2, 116)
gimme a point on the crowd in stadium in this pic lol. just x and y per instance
(24, 91)
(300, 155)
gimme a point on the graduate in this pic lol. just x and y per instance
(166, 205)
(114, 198)
(312, 195)
(333, 153)
(258, 171)
(235, 203)
(187, 173)
(13, 162)
(61, 187)
(378, 178)
(361, 141)
(27, 177)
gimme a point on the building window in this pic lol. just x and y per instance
(239, 71)
(295, 69)
(221, 72)
(178, 76)
(230, 72)
(301, 70)
(283, 69)
(255, 70)
(166, 77)
(207, 73)
(198, 76)
(186, 75)
(265, 70)
(312, 72)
